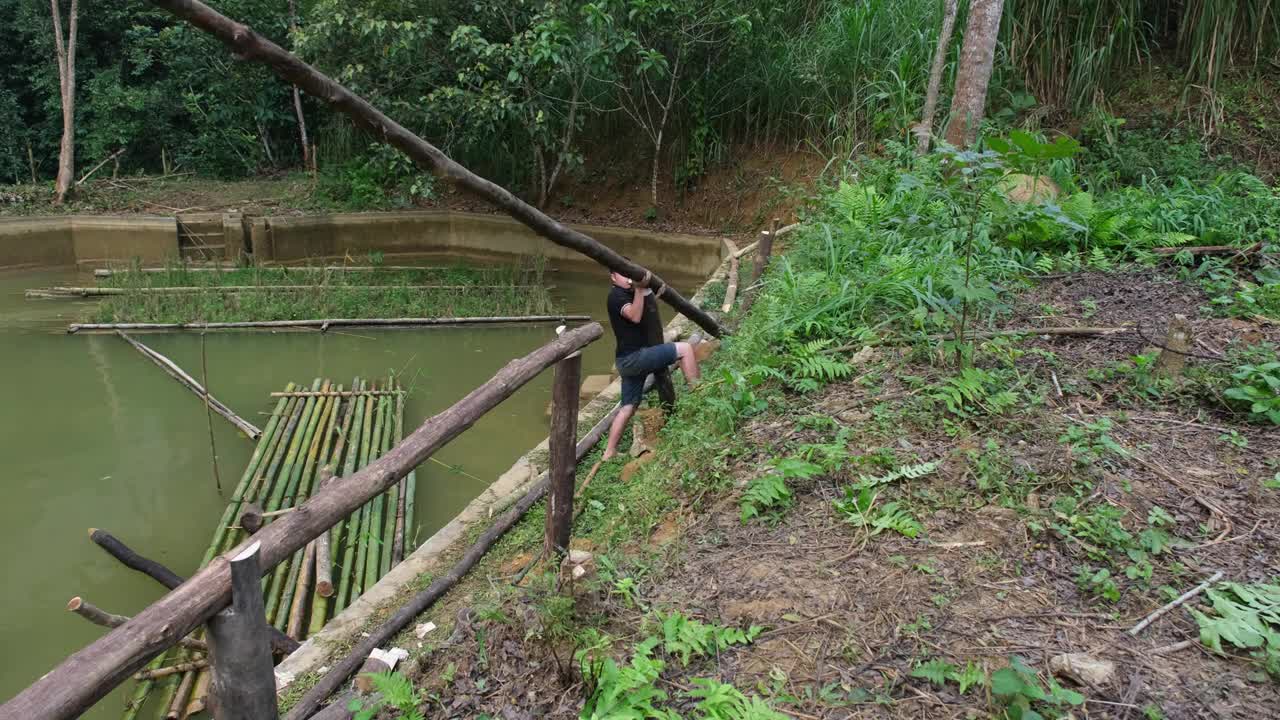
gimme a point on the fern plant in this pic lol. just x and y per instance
(770, 492)
(859, 507)
(684, 637)
(939, 672)
(808, 368)
(722, 701)
(395, 692)
(975, 391)
(906, 472)
(625, 691)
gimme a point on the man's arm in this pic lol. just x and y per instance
(634, 310)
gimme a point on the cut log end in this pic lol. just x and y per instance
(324, 589)
(75, 603)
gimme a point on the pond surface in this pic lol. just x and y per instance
(94, 435)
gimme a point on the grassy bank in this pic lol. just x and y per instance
(896, 494)
(182, 294)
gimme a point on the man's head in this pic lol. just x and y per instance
(619, 279)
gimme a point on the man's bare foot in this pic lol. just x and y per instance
(703, 350)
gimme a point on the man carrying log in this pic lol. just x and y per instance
(638, 355)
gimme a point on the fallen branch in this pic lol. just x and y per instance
(158, 673)
(324, 324)
(98, 167)
(249, 45)
(1176, 602)
(194, 386)
(280, 642)
(98, 616)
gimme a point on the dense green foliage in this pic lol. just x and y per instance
(524, 91)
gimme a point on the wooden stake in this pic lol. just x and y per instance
(244, 684)
(1173, 356)
(764, 249)
(731, 292)
(564, 428)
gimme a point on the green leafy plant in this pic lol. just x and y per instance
(859, 508)
(625, 691)
(685, 638)
(1246, 616)
(905, 472)
(395, 692)
(939, 672)
(1019, 688)
(1092, 442)
(1097, 582)
(770, 492)
(1257, 391)
(722, 701)
(975, 391)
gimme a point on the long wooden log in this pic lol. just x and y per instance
(324, 324)
(108, 272)
(89, 674)
(249, 45)
(84, 292)
(177, 373)
(344, 668)
(324, 565)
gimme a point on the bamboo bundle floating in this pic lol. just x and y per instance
(108, 272)
(313, 432)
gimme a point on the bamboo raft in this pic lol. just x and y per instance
(313, 434)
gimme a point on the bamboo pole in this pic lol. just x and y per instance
(281, 588)
(194, 386)
(346, 578)
(180, 697)
(325, 324)
(79, 681)
(392, 494)
(371, 527)
(108, 272)
(340, 393)
(166, 671)
(397, 549)
(302, 593)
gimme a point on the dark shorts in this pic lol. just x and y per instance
(635, 367)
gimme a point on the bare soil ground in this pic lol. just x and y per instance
(846, 617)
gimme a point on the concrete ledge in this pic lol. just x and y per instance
(510, 486)
(86, 239)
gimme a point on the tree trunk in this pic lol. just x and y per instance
(653, 180)
(297, 96)
(66, 52)
(924, 131)
(976, 59)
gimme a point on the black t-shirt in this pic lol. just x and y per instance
(630, 336)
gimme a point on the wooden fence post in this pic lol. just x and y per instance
(244, 681)
(763, 250)
(563, 443)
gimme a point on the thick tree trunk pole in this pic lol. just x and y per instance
(67, 86)
(976, 59)
(88, 675)
(564, 464)
(763, 250)
(924, 131)
(244, 682)
(248, 45)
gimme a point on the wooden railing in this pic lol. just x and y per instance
(88, 675)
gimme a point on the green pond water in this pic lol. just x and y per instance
(94, 435)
